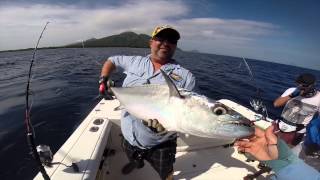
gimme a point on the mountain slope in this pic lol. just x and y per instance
(125, 39)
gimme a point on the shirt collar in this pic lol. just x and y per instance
(171, 65)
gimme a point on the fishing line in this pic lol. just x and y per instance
(252, 77)
(98, 63)
(29, 127)
(257, 104)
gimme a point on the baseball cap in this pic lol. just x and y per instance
(167, 30)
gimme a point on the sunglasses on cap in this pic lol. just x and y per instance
(162, 39)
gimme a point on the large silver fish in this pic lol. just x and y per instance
(183, 111)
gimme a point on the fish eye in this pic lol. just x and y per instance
(219, 110)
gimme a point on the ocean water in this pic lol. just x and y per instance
(65, 89)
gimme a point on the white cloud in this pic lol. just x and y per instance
(223, 36)
(23, 24)
(237, 31)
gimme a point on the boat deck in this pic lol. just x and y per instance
(201, 163)
(196, 158)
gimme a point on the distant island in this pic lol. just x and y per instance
(125, 39)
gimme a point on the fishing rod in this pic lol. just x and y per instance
(257, 104)
(35, 151)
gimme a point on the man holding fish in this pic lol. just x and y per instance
(148, 140)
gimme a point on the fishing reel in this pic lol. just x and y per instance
(45, 154)
(258, 106)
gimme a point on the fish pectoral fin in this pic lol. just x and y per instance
(173, 90)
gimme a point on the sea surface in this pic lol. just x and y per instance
(64, 89)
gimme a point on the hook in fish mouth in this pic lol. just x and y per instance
(242, 122)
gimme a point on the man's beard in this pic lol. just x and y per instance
(165, 56)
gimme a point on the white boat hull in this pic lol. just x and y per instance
(196, 158)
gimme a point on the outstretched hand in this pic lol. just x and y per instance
(263, 145)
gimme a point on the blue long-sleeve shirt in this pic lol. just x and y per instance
(297, 171)
(289, 167)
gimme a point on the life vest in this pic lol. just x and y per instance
(295, 114)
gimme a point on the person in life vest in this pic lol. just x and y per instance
(301, 106)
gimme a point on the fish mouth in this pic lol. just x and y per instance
(243, 122)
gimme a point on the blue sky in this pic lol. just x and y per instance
(284, 31)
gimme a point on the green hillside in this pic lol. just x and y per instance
(125, 39)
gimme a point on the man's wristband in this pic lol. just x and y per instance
(103, 79)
